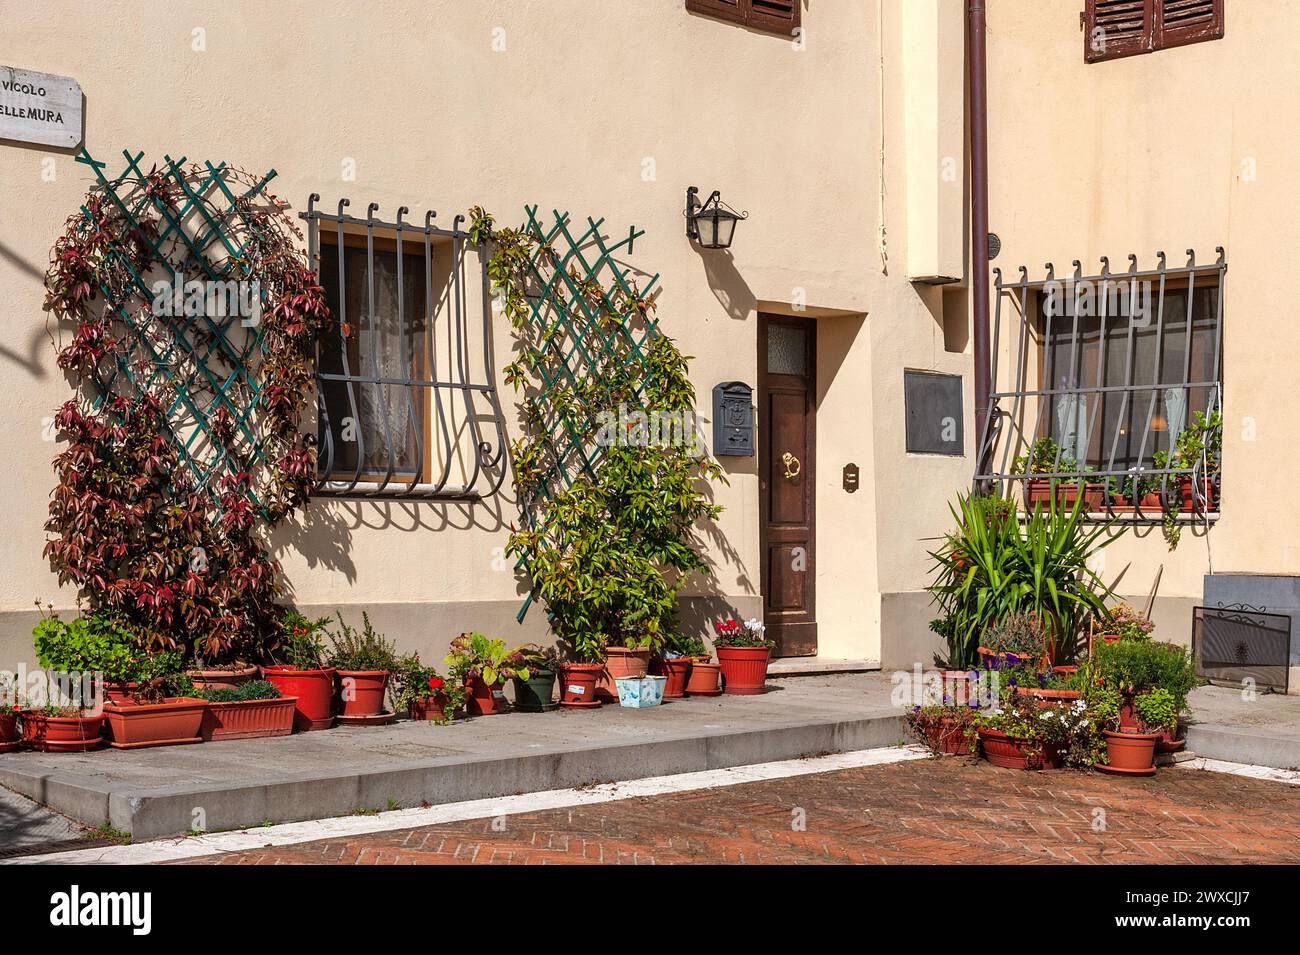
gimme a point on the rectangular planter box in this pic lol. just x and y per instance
(249, 719)
(174, 720)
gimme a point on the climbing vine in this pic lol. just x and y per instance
(184, 440)
(610, 473)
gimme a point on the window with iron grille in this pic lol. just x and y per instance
(1109, 386)
(770, 16)
(1116, 28)
(406, 402)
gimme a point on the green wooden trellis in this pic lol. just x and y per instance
(203, 234)
(564, 267)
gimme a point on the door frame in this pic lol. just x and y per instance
(764, 434)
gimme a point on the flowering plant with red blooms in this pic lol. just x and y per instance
(163, 532)
(413, 682)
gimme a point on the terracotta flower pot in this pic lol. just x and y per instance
(1013, 752)
(132, 725)
(1171, 739)
(248, 719)
(677, 670)
(220, 678)
(744, 669)
(948, 737)
(484, 700)
(314, 690)
(431, 708)
(119, 692)
(8, 730)
(578, 684)
(1066, 493)
(957, 688)
(61, 734)
(703, 678)
(1185, 493)
(366, 689)
(1046, 697)
(621, 663)
(1130, 752)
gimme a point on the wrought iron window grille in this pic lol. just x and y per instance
(436, 431)
(1109, 431)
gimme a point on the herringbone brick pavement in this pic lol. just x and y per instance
(927, 811)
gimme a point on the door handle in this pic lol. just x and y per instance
(791, 465)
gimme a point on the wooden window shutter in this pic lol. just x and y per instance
(770, 16)
(774, 16)
(732, 10)
(1115, 28)
(1179, 22)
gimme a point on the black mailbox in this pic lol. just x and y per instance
(733, 418)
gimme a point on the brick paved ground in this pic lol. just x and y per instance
(929, 811)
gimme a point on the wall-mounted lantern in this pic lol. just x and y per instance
(713, 224)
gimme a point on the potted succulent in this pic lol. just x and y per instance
(535, 692)
(704, 678)
(743, 653)
(943, 728)
(246, 711)
(1045, 456)
(362, 663)
(162, 711)
(481, 664)
(423, 694)
(300, 671)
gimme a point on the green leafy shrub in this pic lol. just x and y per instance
(301, 642)
(1130, 666)
(96, 643)
(252, 690)
(413, 682)
(1156, 709)
(994, 565)
(367, 650)
(474, 655)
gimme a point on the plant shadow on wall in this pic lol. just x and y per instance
(611, 474)
(184, 440)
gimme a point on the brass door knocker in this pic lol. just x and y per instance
(791, 465)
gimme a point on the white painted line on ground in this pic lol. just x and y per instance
(1267, 773)
(190, 847)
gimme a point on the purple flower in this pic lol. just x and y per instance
(1013, 659)
(1012, 681)
(1042, 679)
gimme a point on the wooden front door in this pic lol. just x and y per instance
(787, 479)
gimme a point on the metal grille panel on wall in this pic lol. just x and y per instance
(1236, 644)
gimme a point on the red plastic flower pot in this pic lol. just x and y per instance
(1130, 752)
(119, 692)
(361, 692)
(1014, 752)
(132, 725)
(703, 678)
(744, 669)
(1186, 498)
(677, 670)
(8, 730)
(957, 688)
(484, 700)
(1171, 739)
(621, 663)
(248, 719)
(61, 734)
(578, 684)
(314, 690)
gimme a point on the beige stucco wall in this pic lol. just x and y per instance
(449, 104)
(1186, 148)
